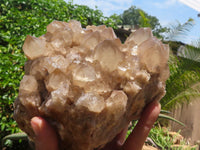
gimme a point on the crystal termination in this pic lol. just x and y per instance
(87, 84)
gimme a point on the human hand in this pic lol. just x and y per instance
(46, 138)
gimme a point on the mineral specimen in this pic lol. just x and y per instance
(87, 84)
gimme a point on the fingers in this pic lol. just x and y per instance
(46, 137)
(137, 138)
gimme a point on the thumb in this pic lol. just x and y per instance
(46, 137)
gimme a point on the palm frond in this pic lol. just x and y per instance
(181, 98)
(185, 73)
(190, 52)
(178, 31)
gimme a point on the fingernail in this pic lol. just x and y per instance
(158, 105)
(120, 142)
(36, 124)
(122, 136)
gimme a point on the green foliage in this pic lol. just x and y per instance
(164, 139)
(189, 52)
(137, 17)
(19, 18)
(131, 16)
(161, 138)
(117, 20)
(144, 21)
(88, 16)
(181, 84)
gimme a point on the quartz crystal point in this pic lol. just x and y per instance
(87, 84)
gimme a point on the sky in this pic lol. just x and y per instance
(167, 11)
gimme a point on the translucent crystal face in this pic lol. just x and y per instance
(28, 84)
(108, 55)
(87, 84)
(35, 47)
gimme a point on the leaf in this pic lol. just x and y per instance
(178, 31)
(165, 111)
(3, 127)
(170, 118)
(189, 52)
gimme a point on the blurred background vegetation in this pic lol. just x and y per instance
(19, 18)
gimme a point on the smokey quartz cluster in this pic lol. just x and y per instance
(87, 84)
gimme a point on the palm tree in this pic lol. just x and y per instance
(184, 69)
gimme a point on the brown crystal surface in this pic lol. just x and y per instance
(87, 84)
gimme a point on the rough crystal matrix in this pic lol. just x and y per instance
(87, 84)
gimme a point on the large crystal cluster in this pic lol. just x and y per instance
(87, 84)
